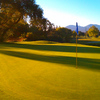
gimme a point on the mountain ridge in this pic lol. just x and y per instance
(83, 28)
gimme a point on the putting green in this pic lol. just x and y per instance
(43, 70)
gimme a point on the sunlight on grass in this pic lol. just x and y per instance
(44, 71)
(89, 39)
(51, 53)
(54, 43)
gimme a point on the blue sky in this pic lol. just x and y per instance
(68, 12)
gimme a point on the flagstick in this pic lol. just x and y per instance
(76, 50)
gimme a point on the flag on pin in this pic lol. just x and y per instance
(77, 28)
(76, 41)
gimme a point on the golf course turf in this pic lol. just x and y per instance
(44, 70)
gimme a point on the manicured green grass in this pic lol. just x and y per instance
(87, 40)
(43, 70)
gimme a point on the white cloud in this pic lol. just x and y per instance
(64, 19)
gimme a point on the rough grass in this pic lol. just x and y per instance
(43, 70)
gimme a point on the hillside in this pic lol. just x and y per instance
(81, 28)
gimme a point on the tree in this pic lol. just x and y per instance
(93, 31)
(61, 35)
(74, 34)
(81, 33)
(99, 33)
(20, 30)
(42, 26)
(13, 11)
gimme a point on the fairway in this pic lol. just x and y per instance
(44, 70)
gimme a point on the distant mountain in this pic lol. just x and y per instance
(82, 29)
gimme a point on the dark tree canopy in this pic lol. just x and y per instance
(60, 34)
(28, 7)
(13, 11)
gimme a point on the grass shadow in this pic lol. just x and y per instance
(84, 63)
(53, 48)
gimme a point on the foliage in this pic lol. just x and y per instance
(20, 30)
(40, 28)
(74, 34)
(81, 33)
(13, 11)
(93, 31)
(42, 24)
(99, 33)
(61, 35)
(35, 33)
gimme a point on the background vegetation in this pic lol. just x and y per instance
(13, 23)
(45, 70)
